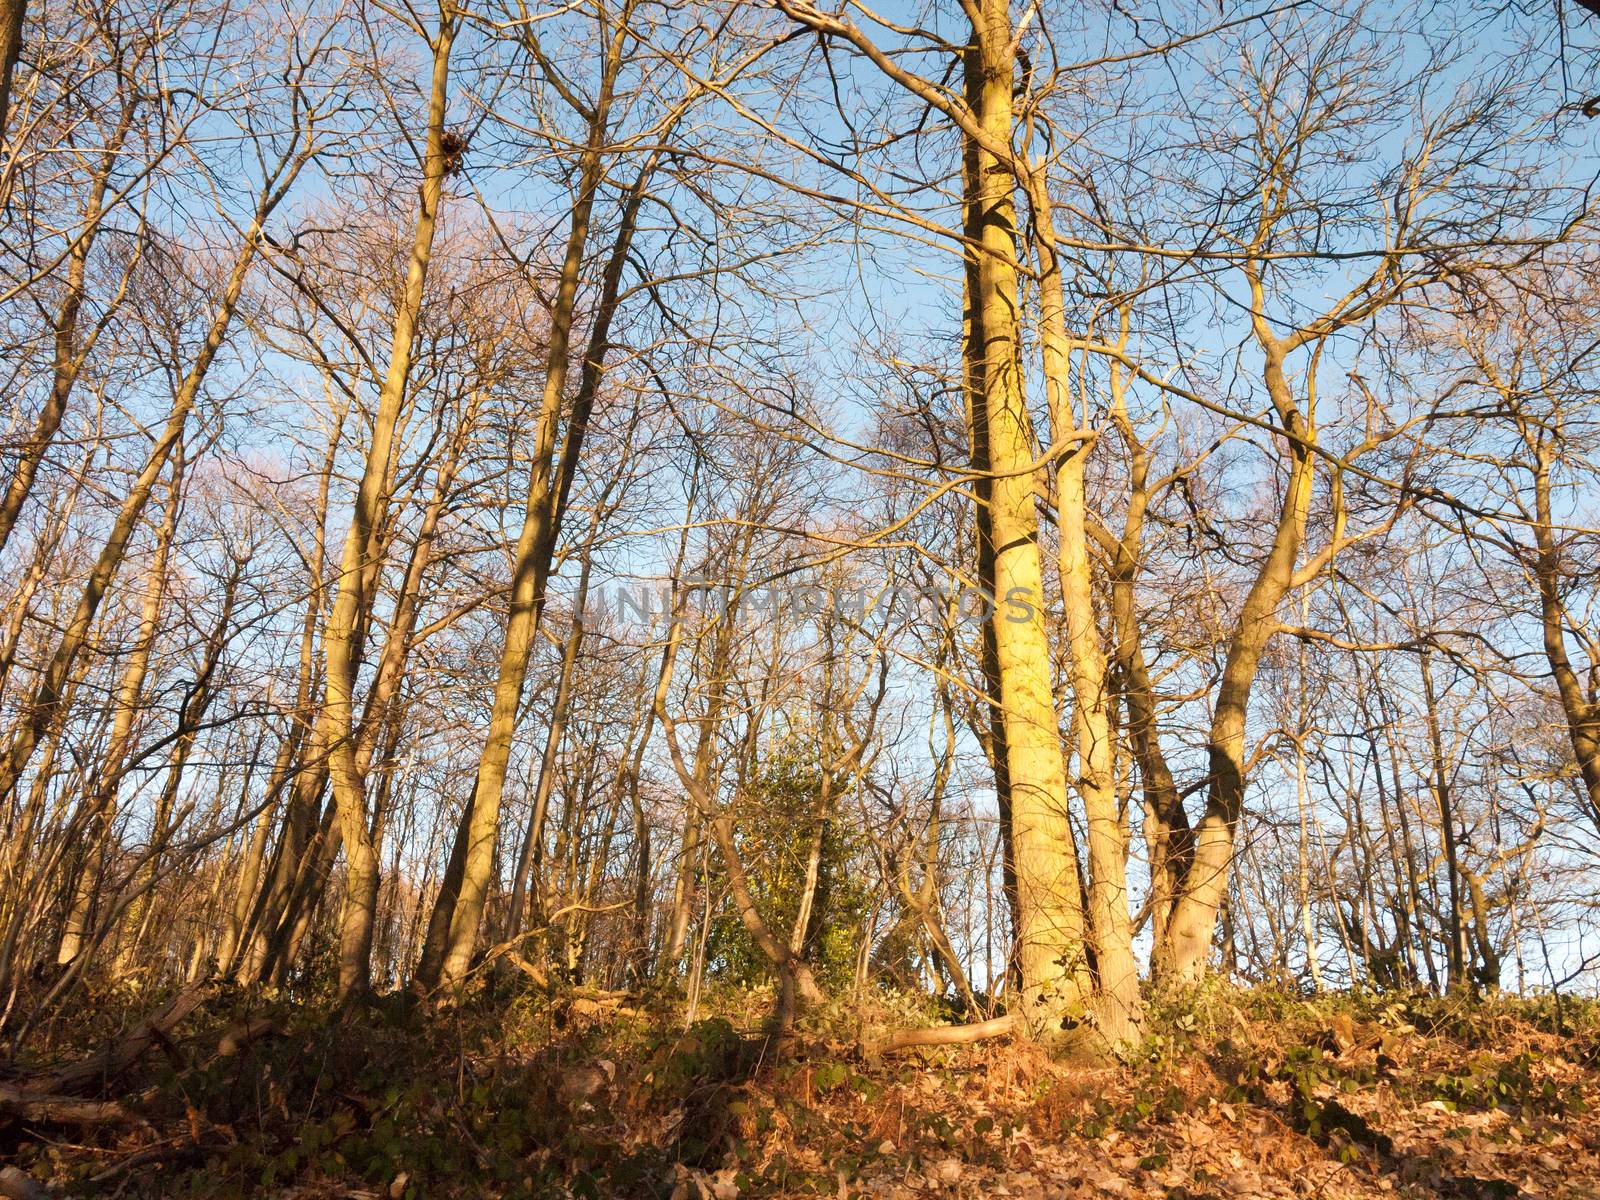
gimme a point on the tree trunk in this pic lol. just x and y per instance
(129, 692)
(1181, 956)
(71, 350)
(1455, 957)
(1116, 1002)
(1582, 711)
(44, 708)
(362, 558)
(549, 484)
(1051, 950)
(533, 838)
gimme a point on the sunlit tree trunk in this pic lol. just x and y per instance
(305, 779)
(1582, 710)
(129, 693)
(549, 484)
(361, 562)
(1439, 770)
(797, 986)
(44, 708)
(1117, 1004)
(13, 15)
(1166, 825)
(687, 887)
(1051, 949)
(191, 716)
(72, 345)
(533, 837)
(1183, 953)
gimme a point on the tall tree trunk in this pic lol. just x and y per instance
(1166, 824)
(1455, 957)
(431, 961)
(361, 562)
(687, 887)
(533, 838)
(549, 484)
(302, 812)
(44, 708)
(1582, 711)
(1117, 1004)
(1051, 950)
(129, 692)
(13, 15)
(71, 347)
(1181, 956)
(191, 716)
(717, 673)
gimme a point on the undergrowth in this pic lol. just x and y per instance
(518, 1093)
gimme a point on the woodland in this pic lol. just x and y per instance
(799, 597)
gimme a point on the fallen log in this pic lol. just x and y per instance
(55, 1109)
(241, 1033)
(99, 1069)
(595, 1006)
(947, 1035)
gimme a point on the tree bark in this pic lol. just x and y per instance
(13, 15)
(361, 562)
(129, 692)
(44, 708)
(1582, 711)
(1116, 1001)
(548, 487)
(71, 351)
(1051, 949)
(1181, 956)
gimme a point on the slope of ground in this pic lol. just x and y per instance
(1233, 1093)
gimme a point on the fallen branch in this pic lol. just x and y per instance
(56, 1109)
(99, 1069)
(53, 1102)
(948, 1035)
(527, 968)
(593, 1006)
(241, 1033)
(167, 1152)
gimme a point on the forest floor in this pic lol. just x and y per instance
(1233, 1093)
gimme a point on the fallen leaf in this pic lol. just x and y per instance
(948, 1172)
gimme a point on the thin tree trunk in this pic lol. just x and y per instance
(431, 960)
(683, 895)
(1117, 1003)
(191, 715)
(1182, 954)
(1582, 712)
(71, 350)
(797, 985)
(44, 708)
(546, 501)
(533, 838)
(301, 813)
(129, 692)
(1455, 958)
(361, 563)
(1166, 824)
(13, 14)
